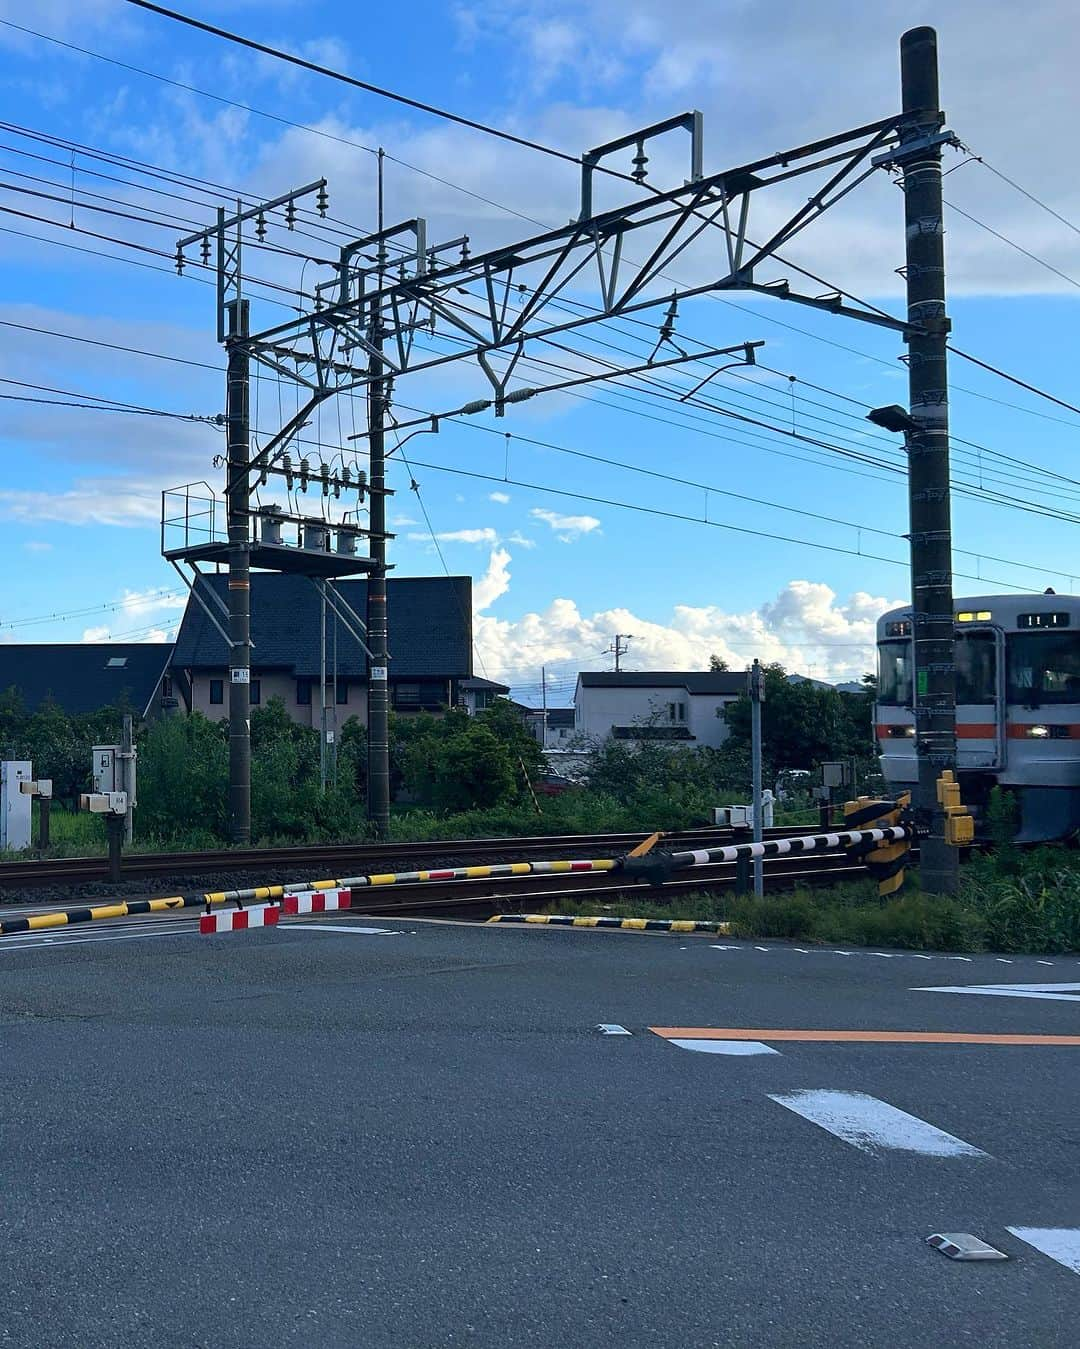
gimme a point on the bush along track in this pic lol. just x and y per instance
(1029, 904)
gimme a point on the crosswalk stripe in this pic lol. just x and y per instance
(1059, 1243)
(734, 1047)
(872, 1125)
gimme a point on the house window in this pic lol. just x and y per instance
(484, 699)
(166, 686)
(342, 692)
(255, 692)
(303, 692)
(217, 692)
(671, 711)
(407, 695)
(682, 711)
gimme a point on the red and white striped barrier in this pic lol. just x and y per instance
(317, 901)
(240, 920)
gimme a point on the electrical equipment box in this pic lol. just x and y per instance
(104, 803)
(15, 805)
(835, 775)
(735, 817)
(104, 768)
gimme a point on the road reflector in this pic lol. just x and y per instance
(964, 1246)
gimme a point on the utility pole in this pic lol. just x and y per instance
(618, 650)
(919, 157)
(322, 694)
(543, 702)
(237, 502)
(378, 729)
(757, 697)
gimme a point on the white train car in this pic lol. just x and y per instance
(1017, 706)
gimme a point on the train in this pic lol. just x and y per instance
(1017, 707)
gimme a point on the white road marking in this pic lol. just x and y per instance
(761, 948)
(966, 959)
(90, 941)
(843, 953)
(338, 927)
(1044, 962)
(1002, 961)
(1059, 1243)
(872, 1125)
(883, 954)
(1049, 992)
(736, 1047)
(726, 948)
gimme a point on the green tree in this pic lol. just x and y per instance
(183, 771)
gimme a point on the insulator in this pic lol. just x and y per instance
(641, 159)
(346, 475)
(305, 469)
(322, 201)
(337, 490)
(206, 251)
(286, 464)
(324, 473)
(260, 226)
(179, 262)
(290, 215)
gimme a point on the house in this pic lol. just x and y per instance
(679, 706)
(430, 625)
(477, 694)
(87, 676)
(553, 728)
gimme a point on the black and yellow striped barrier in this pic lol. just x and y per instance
(627, 924)
(63, 917)
(885, 860)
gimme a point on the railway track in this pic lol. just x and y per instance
(338, 859)
(476, 898)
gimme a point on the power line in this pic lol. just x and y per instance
(1012, 243)
(980, 159)
(359, 145)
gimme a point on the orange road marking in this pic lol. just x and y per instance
(932, 1037)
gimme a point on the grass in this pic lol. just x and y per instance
(1034, 909)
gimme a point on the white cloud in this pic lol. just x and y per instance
(483, 535)
(502, 498)
(521, 540)
(805, 627)
(567, 527)
(37, 546)
(89, 501)
(494, 582)
(400, 521)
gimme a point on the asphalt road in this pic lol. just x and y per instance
(417, 1137)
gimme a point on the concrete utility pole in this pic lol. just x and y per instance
(378, 727)
(237, 502)
(757, 697)
(322, 694)
(543, 702)
(618, 650)
(928, 451)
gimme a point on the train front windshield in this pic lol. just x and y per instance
(894, 673)
(1044, 667)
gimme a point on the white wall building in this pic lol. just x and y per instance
(678, 706)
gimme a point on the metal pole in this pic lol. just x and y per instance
(322, 696)
(127, 775)
(543, 696)
(757, 695)
(334, 756)
(928, 458)
(378, 689)
(237, 501)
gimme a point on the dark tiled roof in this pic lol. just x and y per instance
(429, 618)
(78, 675)
(729, 682)
(477, 685)
(559, 717)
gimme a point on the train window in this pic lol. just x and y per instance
(1059, 620)
(976, 667)
(894, 674)
(1044, 668)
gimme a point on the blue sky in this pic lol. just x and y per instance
(555, 576)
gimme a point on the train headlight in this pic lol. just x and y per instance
(909, 732)
(1038, 732)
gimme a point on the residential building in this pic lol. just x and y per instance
(477, 694)
(677, 706)
(87, 676)
(430, 625)
(553, 728)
